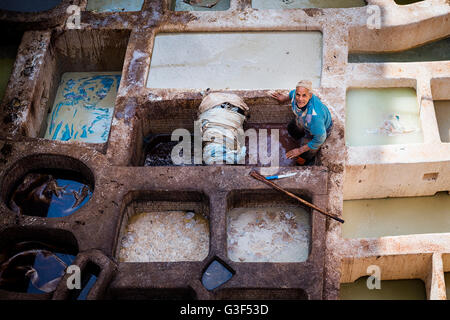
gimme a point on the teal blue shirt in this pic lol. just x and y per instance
(315, 118)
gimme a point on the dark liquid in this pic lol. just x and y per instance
(32, 260)
(159, 148)
(51, 194)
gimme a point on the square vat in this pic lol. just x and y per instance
(396, 216)
(165, 227)
(413, 289)
(297, 4)
(83, 107)
(235, 60)
(382, 116)
(80, 84)
(442, 109)
(434, 51)
(220, 5)
(29, 5)
(163, 118)
(267, 227)
(114, 5)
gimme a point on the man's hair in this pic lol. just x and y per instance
(305, 84)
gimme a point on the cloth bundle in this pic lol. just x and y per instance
(222, 116)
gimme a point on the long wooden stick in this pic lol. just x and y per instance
(261, 178)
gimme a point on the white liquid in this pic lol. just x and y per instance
(259, 60)
(382, 117)
(390, 290)
(114, 5)
(222, 5)
(268, 234)
(165, 236)
(295, 4)
(83, 107)
(442, 109)
(396, 216)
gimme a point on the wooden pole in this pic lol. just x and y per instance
(261, 178)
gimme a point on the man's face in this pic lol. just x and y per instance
(302, 96)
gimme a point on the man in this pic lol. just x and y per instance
(313, 120)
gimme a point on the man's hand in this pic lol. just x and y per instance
(280, 97)
(294, 153)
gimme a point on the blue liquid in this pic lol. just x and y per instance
(63, 206)
(216, 275)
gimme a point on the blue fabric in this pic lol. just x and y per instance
(314, 118)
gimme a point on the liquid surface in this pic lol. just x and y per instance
(165, 236)
(273, 234)
(180, 5)
(32, 267)
(396, 216)
(442, 109)
(28, 5)
(216, 275)
(237, 60)
(390, 290)
(7, 58)
(295, 4)
(435, 51)
(382, 116)
(114, 5)
(45, 195)
(83, 107)
(447, 284)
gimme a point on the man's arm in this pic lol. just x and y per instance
(279, 96)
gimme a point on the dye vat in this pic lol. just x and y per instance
(50, 194)
(28, 5)
(159, 148)
(404, 2)
(390, 290)
(296, 4)
(215, 275)
(167, 236)
(221, 5)
(83, 107)
(434, 51)
(236, 60)
(158, 151)
(442, 109)
(114, 5)
(447, 284)
(396, 216)
(382, 117)
(33, 267)
(270, 234)
(7, 57)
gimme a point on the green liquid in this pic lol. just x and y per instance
(382, 117)
(7, 58)
(434, 51)
(442, 109)
(396, 216)
(114, 5)
(180, 5)
(390, 290)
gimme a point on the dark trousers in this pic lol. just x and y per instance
(299, 134)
